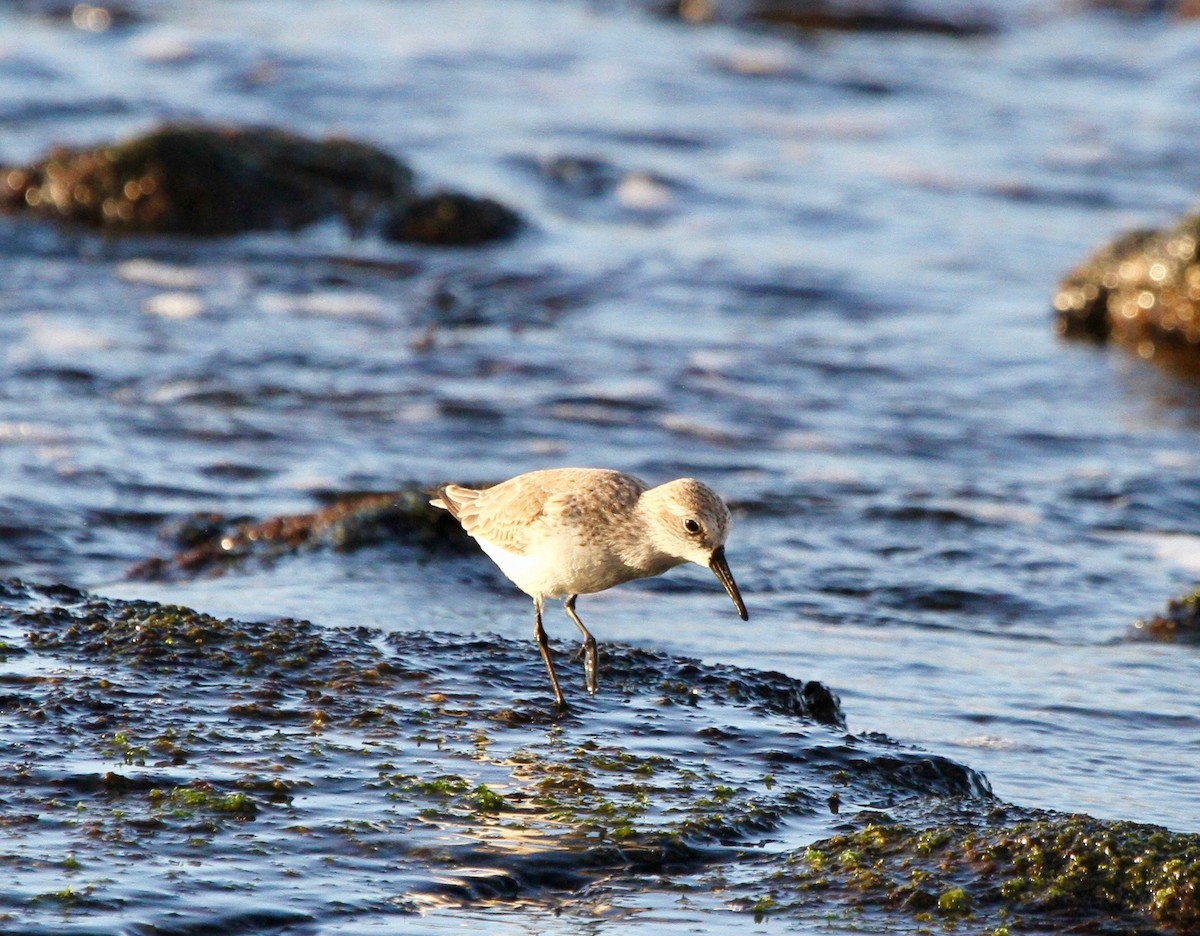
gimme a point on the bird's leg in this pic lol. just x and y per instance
(539, 634)
(590, 661)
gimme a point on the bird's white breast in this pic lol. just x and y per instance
(558, 564)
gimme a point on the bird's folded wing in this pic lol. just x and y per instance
(508, 517)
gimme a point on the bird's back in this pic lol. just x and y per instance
(555, 532)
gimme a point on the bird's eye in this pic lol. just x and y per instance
(691, 526)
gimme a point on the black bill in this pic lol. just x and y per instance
(721, 570)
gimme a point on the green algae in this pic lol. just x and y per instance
(201, 797)
(954, 901)
(130, 753)
(487, 799)
(146, 634)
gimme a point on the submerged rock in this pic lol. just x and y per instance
(1141, 291)
(210, 544)
(1179, 622)
(202, 180)
(451, 219)
(1182, 9)
(398, 772)
(844, 15)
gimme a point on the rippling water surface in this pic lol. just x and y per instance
(814, 272)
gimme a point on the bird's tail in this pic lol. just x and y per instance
(453, 497)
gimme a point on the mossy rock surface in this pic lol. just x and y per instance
(1141, 291)
(402, 773)
(1013, 871)
(397, 773)
(204, 180)
(1179, 622)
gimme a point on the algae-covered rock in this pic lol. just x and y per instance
(391, 773)
(843, 15)
(451, 219)
(1044, 872)
(1141, 291)
(1180, 621)
(210, 544)
(143, 740)
(201, 180)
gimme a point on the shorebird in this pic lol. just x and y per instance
(567, 532)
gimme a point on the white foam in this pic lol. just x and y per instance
(174, 305)
(334, 304)
(155, 273)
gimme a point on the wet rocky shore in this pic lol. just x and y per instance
(801, 250)
(157, 749)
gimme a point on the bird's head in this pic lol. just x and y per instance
(691, 521)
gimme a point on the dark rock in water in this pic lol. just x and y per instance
(449, 219)
(199, 180)
(844, 15)
(1182, 9)
(582, 176)
(1043, 873)
(210, 544)
(1179, 622)
(597, 188)
(1141, 291)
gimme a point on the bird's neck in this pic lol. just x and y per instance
(640, 550)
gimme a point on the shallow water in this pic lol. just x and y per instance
(814, 273)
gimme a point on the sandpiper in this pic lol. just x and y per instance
(567, 532)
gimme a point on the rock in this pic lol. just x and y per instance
(209, 181)
(450, 219)
(1179, 622)
(210, 544)
(581, 176)
(200, 180)
(1142, 291)
(1181, 9)
(844, 15)
(1044, 873)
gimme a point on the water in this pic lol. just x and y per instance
(815, 274)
